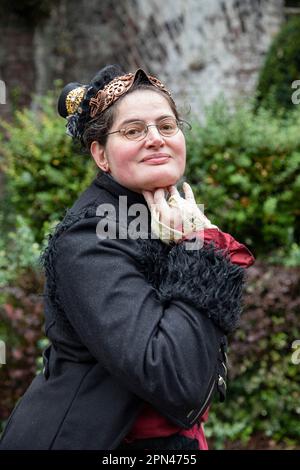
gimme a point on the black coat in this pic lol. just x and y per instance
(130, 321)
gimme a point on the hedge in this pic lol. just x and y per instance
(281, 68)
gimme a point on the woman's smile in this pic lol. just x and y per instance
(156, 158)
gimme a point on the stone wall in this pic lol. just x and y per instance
(201, 48)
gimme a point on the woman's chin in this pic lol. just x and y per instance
(162, 181)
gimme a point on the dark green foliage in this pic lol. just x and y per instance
(245, 168)
(44, 171)
(263, 391)
(21, 327)
(281, 68)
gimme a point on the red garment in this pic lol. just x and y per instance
(239, 253)
(150, 423)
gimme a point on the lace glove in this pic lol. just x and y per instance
(192, 218)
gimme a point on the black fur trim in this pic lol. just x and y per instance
(205, 278)
(152, 257)
(47, 257)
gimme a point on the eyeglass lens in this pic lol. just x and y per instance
(139, 129)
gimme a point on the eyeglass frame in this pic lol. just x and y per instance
(178, 121)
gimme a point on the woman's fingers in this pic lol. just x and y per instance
(170, 216)
(156, 199)
(173, 190)
(188, 192)
(177, 212)
(159, 198)
(175, 198)
(149, 198)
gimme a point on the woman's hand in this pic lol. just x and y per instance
(168, 215)
(176, 217)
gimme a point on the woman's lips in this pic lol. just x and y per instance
(156, 159)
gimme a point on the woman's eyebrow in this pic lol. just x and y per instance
(127, 121)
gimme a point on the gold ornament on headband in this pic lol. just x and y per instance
(74, 98)
(116, 88)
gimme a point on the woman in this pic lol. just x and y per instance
(137, 307)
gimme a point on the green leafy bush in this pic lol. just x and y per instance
(245, 168)
(44, 171)
(18, 252)
(21, 320)
(281, 68)
(263, 396)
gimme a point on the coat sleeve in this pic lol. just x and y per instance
(163, 350)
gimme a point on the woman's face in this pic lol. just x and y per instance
(124, 159)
